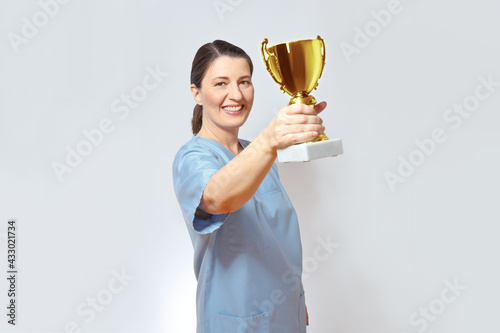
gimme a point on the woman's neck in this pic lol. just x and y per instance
(227, 139)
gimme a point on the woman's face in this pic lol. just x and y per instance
(226, 95)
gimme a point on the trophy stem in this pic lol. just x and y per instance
(320, 137)
(300, 98)
(309, 100)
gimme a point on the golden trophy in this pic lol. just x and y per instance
(297, 66)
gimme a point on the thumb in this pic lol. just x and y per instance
(320, 107)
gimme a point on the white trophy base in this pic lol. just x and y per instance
(305, 152)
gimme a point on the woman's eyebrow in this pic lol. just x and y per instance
(227, 78)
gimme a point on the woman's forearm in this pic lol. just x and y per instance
(235, 183)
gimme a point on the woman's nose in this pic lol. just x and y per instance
(235, 92)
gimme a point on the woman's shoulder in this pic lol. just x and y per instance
(194, 146)
(193, 143)
(199, 149)
(198, 143)
(208, 146)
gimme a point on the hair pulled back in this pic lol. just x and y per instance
(205, 56)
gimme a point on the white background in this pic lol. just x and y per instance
(116, 212)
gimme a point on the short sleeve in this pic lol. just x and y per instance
(192, 169)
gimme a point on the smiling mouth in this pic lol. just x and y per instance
(233, 108)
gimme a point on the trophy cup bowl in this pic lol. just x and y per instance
(296, 67)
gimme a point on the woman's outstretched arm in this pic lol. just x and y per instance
(235, 183)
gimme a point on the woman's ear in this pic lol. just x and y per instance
(196, 94)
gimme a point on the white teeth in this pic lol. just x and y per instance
(233, 108)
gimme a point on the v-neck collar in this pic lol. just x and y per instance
(216, 144)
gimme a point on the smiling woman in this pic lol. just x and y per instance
(226, 100)
(242, 224)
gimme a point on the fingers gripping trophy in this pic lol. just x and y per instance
(297, 66)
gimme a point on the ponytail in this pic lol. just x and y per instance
(197, 118)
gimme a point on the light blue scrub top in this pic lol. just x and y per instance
(248, 263)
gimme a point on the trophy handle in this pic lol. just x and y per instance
(323, 54)
(265, 51)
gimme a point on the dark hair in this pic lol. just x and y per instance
(202, 60)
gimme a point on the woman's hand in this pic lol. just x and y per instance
(294, 124)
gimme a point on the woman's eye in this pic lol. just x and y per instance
(245, 82)
(220, 84)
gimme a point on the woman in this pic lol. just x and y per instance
(245, 233)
